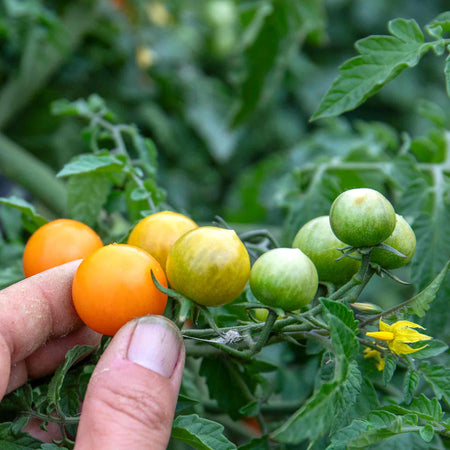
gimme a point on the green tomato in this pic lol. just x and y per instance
(362, 217)
(317, 241)
(284, 278)
(402, 239)
(208, 265)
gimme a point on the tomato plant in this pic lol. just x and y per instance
(284, 278)
(209, 265)
(58, 242)
(157, 233)
(362, 217)
(114, 285)
(209, 112)
(317, 241)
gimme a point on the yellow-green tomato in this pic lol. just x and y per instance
(362, 217)
(402, 239)
(209, 265)
(284, 278)
(317, 241)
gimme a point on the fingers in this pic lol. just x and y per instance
(131, 398)
(46, 359)
(31, 312)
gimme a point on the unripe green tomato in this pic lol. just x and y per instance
(362, 217)
(402, 239)
(284, 278)
(317, 241)
(208, 265)
(262, 314)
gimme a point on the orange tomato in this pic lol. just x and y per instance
(58, 242)
(157, 233)
(114, 285)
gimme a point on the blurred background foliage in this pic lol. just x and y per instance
(224, 88)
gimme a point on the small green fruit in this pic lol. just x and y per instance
(403, 240)
(362, 217)
(284, 278)
(317, 241)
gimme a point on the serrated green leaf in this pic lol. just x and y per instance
(433, 244)
(410, 383)
(343, 339)
(442, 20)
(184, 402)
(201, 434)
(390, 364)
(224, 380)
(27, 210)
(341, 311)
(423, 407)
(57, 381)
(377, 426)
(438, 378)
(87, 193)
(314, 418)
(91, 163)
(382, 59)
(421, 302)
(427, 432)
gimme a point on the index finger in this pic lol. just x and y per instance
(32, 311)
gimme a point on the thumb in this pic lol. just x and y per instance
(131, 397)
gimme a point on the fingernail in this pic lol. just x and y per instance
(155, 345)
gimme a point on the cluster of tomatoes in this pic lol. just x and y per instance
(210, 265)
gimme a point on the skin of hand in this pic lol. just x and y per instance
(132, 394)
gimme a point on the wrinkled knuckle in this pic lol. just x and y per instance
(143, 406)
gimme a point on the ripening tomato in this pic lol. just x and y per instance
(317, 241)
(114, 285)
(284, 278)
(158, 232)
(58, 242)
(402, 239)
(362, 217)
(209, 265)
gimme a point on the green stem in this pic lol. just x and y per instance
(48, 418)
(29, 172)
(265, 333)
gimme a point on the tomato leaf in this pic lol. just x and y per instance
(87, 193)
(317, 414)
(30, 217)
(438, 377)
(201, 434)
(56, 383)
(104, 162)
(382, 58)
(421, 302)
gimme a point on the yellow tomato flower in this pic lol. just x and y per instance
(371, 353)
(398, 335)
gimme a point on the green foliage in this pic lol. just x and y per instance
(200, 433)
(224, 91)
(382, 59)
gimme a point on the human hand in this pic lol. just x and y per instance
(132, 394)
